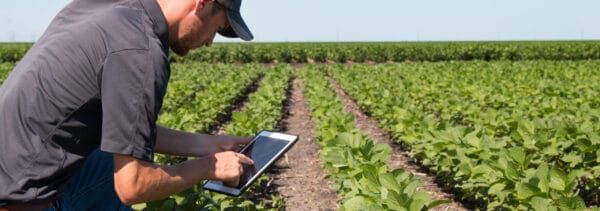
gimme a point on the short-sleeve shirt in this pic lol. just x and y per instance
(95, 79)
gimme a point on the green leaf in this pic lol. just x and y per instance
(178, 199)
(356, 203)
(542, 174)
(388, 180)
(512, 172)
(393, 201)
(496, 188)
(418, 201)
(518, 154)
(557, 179)
(349, 139)
(139, 206)
(573, 159)
(472, 139)
(411, 187)
(437, 203)
(368, 184)
(337, 160)
(526, 130)
(551, 150)
(526, 190)
(571, 203)
(539, 203)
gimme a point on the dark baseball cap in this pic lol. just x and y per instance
(237, 26)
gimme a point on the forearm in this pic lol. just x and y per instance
(140, 181)
(173, 142)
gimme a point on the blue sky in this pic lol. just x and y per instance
(378, 20)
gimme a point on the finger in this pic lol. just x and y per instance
(244, 140)
(244, 159)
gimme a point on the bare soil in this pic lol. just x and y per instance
(298, 176)
(399, 158)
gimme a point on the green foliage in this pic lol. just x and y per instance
(508, 135)
(265, 106)
(211, 102)
(370, 51)
(187, 79)
(5, 69)
(13, 52)
(393, 51)
(356, 163)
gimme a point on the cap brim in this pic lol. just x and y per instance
(237, 27)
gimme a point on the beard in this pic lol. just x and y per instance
(182, 45)
(180, 49)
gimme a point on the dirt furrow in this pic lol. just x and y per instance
(238, 106)
(298, 176)
(399, 158)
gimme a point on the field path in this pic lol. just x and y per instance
(399, 157)
(299, 177)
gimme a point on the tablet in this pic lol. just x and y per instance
(264, 150)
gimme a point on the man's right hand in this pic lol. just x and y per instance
(228, 167)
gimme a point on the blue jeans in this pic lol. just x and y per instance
(92, 188)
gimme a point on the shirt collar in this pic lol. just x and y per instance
(158, 18)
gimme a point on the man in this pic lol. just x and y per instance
(78, 113)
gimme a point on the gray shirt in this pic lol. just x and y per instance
(96, 78)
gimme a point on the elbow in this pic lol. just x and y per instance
(128, 194)
(127, 180)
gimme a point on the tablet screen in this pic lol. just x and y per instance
(261, 152)
(266, 147)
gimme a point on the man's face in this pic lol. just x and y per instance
(199, 28)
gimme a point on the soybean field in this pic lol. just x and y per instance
(395, 126)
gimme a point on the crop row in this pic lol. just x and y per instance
(265, 107)
(211, 103)
(190, 78)
(371, 51)
(394, 51)
(357, 163)
(510, 135)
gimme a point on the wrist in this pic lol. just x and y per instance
(198, 169)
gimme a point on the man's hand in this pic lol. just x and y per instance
(229, 167)
(173, 142)
(221, 143)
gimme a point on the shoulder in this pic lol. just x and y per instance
(124, 28)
